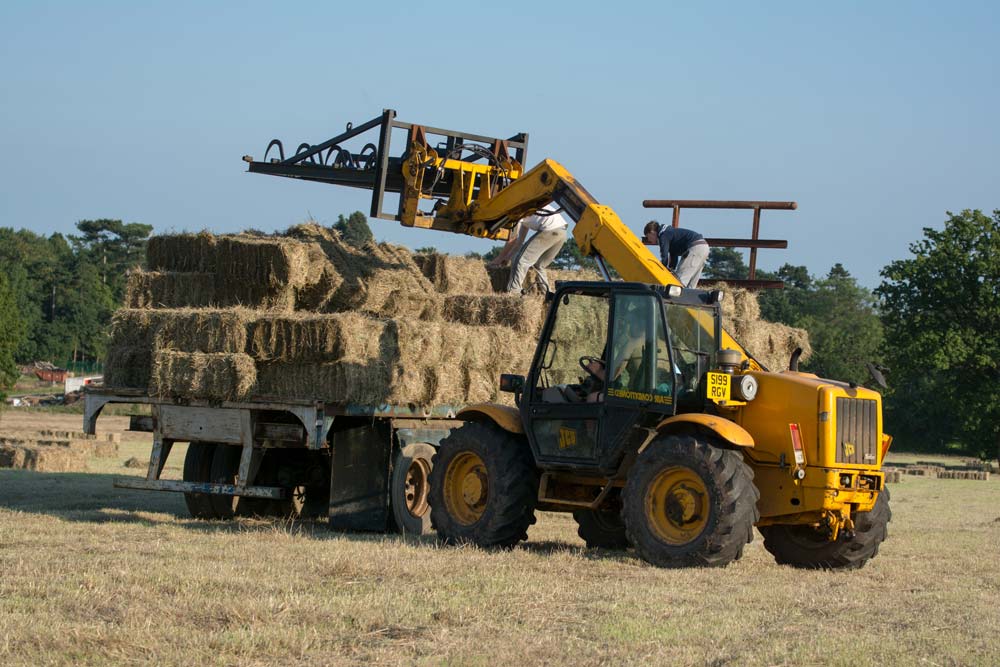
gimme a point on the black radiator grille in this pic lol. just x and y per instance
(857, 431)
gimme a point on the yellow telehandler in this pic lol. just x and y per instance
(639, 414)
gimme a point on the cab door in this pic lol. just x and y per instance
(562, 408)
(641, 372)
(584, 419)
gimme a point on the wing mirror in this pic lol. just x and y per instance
(512, 384)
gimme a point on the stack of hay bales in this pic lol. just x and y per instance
(307, 316)
(770, 343)
(55, 451)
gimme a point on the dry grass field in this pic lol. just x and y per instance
(92, 575)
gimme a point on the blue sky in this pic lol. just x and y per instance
(875, 118)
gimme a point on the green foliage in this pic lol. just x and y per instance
(425, 250)
(724, 264)
(11, 334)
(844, 328)
(570, 257)
(64, 293)
(354, 228)
(941, 310)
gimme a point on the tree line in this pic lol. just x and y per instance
(933, 322)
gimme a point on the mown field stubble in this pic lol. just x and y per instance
(90, 574)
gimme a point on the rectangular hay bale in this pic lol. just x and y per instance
(170, 289)
(451, 274)
(195, 375)
(521, 313)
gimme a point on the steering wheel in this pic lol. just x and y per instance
(586, 361)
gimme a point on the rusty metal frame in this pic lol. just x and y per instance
(754, 242)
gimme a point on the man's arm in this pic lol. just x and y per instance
(514, 242)
(665, 246)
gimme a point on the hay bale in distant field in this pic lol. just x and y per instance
(98, 448)
(451, 274)
(41, 458)
(194, 375)
(523, 314)
(170, 289)
(182, 252)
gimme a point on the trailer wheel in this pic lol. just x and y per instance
(411, 478)
(802, 546)
(689, 503)
(601, 529)
(225, 466)
(197, 468)
(483, 487)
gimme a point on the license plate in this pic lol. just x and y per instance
(718, 387)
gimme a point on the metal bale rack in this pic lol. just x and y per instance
(754, 242)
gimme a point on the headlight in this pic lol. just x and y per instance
(746, 387)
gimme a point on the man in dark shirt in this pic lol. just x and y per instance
(681, 250)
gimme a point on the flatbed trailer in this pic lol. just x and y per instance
(364, 467)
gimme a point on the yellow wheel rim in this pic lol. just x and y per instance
(466, 488)
(677, 505)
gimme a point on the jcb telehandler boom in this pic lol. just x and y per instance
(675, 441)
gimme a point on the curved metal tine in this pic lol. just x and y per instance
(368, 159)
(304, 146)
(329, 154)
(281, 150)
(344, 159)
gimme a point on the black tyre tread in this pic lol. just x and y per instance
(513, 487)
(870, 530)
(601, 529)
(225, 465)
(734, 497)
(197, 468)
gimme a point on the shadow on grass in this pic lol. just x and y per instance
(92, 498)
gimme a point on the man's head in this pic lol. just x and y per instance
(651, 233)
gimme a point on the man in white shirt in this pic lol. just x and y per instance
(538, 251)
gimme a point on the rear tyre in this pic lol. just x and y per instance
(689, 503)
(225, 466)
(601, 529)
(805, 547)
(197, 468)
(484, 487)
(411, 477)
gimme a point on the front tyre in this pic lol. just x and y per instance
(483, 487)
(689, 503)
(805, 547)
